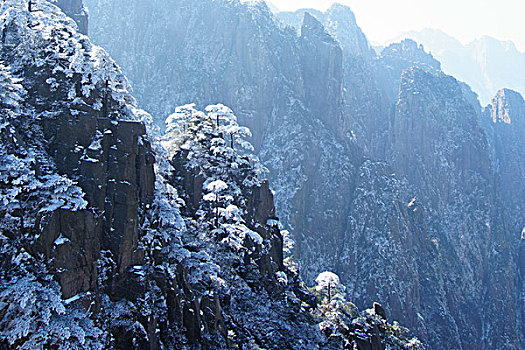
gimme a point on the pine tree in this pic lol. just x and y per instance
(227, 171)
(215, 188)
(11, 92)
(227, 125)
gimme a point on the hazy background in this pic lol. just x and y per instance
(466, 20)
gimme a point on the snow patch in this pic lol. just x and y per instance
(61, 240)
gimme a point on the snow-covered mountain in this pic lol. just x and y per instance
(382, 165)
(124, 229)
(114, 237)
(486, 64)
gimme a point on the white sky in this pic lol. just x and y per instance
(465, 20)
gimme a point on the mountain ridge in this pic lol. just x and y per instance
(476, 62)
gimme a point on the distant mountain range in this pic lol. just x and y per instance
(486, 64)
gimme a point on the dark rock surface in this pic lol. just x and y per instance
(503, 122)
(72, 241)
(113, 163)
(322, 57)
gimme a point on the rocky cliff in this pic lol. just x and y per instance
(382, 170)
(110, 241)
(338, 20)
(503, 124)
(459, 154)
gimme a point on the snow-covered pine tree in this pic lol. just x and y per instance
(215, 189)
(227, 170)
(176, 125)
(330, 287)
(33, 314)
(343, 324)
(229, 128)
(182, 118)
(11, 91)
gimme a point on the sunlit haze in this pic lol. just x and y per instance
(465, 20)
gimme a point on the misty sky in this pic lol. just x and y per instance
(464, 19)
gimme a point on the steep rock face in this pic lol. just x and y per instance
(361, 91)
(72, 241)
(383, 239)
(434, 126)
(440, 225)
(503, 121)
(504, 124)
(423, 227)
(439, 138)
(520, 285)
(340, 22)
(321, 57)
(114, 166)
(371, 82)
(398, 57)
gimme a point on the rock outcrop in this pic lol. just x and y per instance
(113, 163)
(321, 57)
(481, 63)
(503, 122)
(340, 22)
(110, 159)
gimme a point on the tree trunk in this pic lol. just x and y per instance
(106, 109)
(216, 211)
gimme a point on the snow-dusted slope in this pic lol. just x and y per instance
(52, 146)
(504, 123)
(404, 232)
(108, 241)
